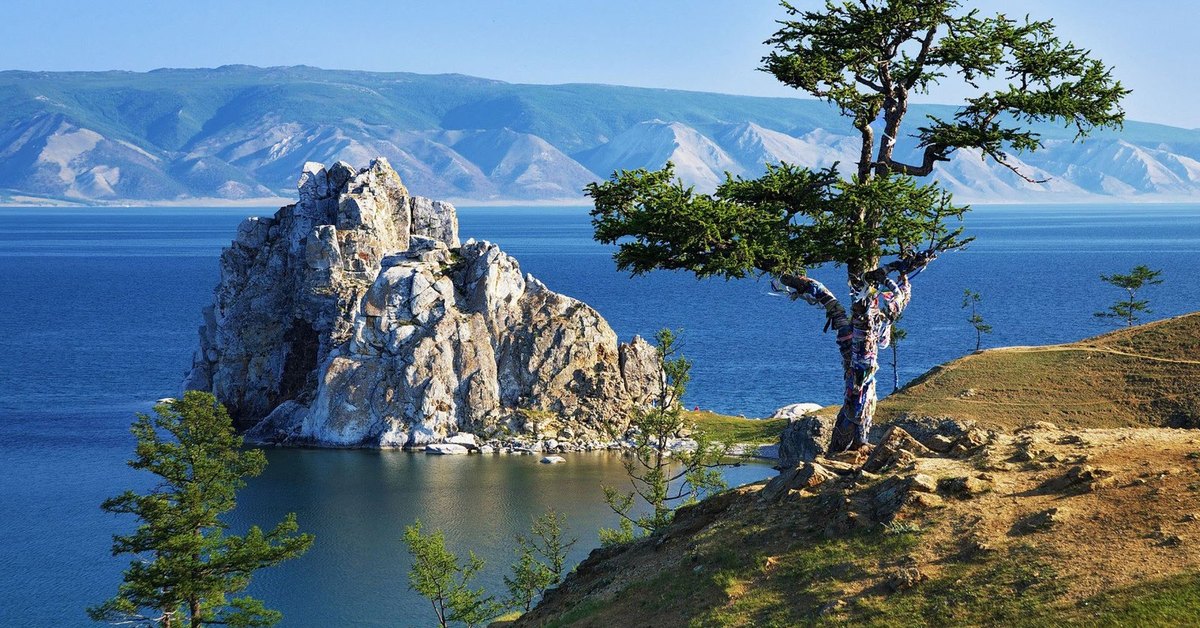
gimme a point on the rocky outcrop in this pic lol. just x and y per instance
(804, 439)
(356, 318)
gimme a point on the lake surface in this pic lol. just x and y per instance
(98, 317)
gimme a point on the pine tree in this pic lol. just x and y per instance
(899, 334)
(438, 576)
(664, 478)
(867, 58)
(185, 565)
(1129, 309)
(541, 560)
(971, 299)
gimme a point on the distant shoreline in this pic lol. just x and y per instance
(269, 201)
(275, 202)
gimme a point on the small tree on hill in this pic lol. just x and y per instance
(1130, 309)
(665, 478)
(541, 561)
(867, 57)
(899, 334)
(971, 299)
(438, 576)
(185, 565)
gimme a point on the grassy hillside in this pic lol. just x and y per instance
(1144, 376)
(981, 549)
(1021, 523)
(732, 429)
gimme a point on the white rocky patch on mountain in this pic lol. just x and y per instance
(55, 157)
(698, 160)
(754, 146)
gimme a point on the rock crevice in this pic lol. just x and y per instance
(355, 317)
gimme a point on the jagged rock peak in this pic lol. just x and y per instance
(356, 318)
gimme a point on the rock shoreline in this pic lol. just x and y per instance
(513, 447)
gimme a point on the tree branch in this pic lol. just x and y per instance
(815, 293)
(926, 46)
(933, 154)
(868, 83)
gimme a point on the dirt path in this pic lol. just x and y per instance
(1066, 348)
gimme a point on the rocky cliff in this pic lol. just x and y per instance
(356, 318)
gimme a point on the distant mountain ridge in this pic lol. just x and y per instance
(241, 132)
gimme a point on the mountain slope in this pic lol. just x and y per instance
(698, 160)
(239, 132)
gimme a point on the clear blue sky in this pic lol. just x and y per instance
(687, 44)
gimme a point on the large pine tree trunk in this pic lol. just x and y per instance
(860, 336)
(859, 344)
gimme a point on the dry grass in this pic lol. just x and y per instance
(1144, 376)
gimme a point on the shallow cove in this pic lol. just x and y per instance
(357, 502)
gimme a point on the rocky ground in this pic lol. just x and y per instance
(943, 523)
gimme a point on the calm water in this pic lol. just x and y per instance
(98, 311)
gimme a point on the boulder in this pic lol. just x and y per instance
(552, 460)
(445, 449)
(965, 487)
(922, 483)
(936, 433)
(356, 318)
(897, 448)
(803, 440)
(905, 578)
(1080, 478)
(806, 476)
(796, 410)
(895, 495)
(464, 439)
(1041, 521)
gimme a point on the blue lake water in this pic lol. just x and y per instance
(98, 317)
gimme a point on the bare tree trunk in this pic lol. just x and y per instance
(895, 365)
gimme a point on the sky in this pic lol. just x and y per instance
(701, 45)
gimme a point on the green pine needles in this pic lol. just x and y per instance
(185, 566)
(541, 561)
(1130, 309)
(971, 301)
(663, 476)
(868, 58)
(438, 576)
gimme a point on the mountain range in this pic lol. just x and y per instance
(240, 133)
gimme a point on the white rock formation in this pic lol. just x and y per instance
(355, 318)
(446, 449)
(796, 410)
